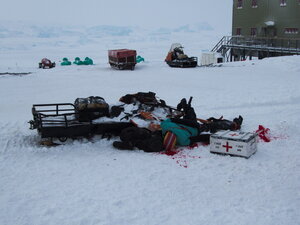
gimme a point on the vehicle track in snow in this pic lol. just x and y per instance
(15, 136)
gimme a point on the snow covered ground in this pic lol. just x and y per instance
(89, 182)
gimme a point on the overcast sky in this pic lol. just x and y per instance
(145, 13)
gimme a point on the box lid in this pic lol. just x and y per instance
(234, 135)
(120, 53)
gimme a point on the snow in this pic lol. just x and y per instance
(270, 23)
(90, 182)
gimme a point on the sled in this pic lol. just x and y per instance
(122, 59)
(60, 121)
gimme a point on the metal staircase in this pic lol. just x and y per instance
(240, 47)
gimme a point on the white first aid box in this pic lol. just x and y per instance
(235, 143)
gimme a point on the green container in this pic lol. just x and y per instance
(88, 61)
(140, 59)
(65, 62)
(78, 61)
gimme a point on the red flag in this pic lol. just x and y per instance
(263, 133)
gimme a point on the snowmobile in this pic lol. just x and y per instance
(177, 58)
(46, 63)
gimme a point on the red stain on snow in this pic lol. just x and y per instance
(182, 155)
(265, 135)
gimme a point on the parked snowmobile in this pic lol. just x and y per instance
(46, 63)
(177, 58)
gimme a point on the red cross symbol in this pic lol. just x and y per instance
(235, 134)
(227, 146)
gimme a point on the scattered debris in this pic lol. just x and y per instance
(15, 74)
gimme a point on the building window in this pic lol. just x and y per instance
(291, 30)
(254, 3)
(253, 32)
(239, 31)
(282, 2)
(239, 4)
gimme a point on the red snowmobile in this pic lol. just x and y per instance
(46, 63)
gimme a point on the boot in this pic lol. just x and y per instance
(239, 120)
(182, 104)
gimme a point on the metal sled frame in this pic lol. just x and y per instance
(60, 121)
(122, 63)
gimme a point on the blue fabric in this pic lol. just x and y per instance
(182, 132)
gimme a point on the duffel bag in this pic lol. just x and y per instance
(91, 108)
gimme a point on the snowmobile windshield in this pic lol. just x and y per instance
(176, 45)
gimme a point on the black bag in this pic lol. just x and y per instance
(141, 138)
(141, 97)
(113, 128)
(115, 111)
(91, 108)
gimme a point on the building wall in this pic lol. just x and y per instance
(286, 18)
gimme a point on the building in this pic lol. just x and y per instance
(262, 28)
(266, 18)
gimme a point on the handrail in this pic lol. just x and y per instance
(280, 44)
(220, 43)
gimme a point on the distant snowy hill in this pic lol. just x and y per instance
(28, 36)
(13, 30)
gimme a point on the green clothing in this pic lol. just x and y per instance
(182, 132)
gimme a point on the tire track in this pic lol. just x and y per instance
(16, 136)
